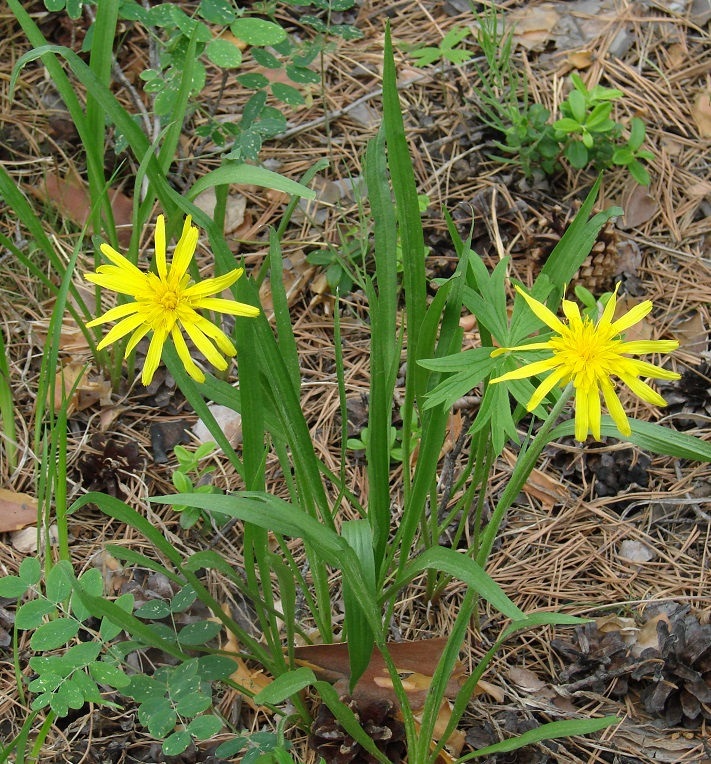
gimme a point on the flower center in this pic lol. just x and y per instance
(169, 300)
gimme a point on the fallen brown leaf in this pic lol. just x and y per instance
(533, 25)
(639, 206)
(692, 334)
(701, 112)
(541, 486)
(71, 198)
(17, 510)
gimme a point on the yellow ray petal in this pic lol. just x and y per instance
(572, 311)
(643, 390)
(641, 347)
(155, 350)
(136, 337)
(529, 370)
(644, 369)
(117, 282)
(230, 307)
(532, 346)
(581, 415)
(119, 260)
(203, 344)
(184, 252)
(594, 413)
(609, 312)
(120, 311)
(121, 330)
(546, 315)
(160, 248)
(545, 387)
(184, 354)
(214, 332)
(615, 408)
(632, 317)
(213, 286)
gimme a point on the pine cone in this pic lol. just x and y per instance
(615, 471)
(695, 385)
(107, 470)
(598, 271)
(679, 689)
(597, 655)
(378, 720)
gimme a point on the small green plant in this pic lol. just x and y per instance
(190, 478)
(592, 307)
(446, 51)
(585, 134)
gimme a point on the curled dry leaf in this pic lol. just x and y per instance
(692, 334)
(24, 541)
(541, 486)
(636, 551)
(639, 206)
(229, 421)
(17, 510)
(73, 379)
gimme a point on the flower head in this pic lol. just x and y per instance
(166, 303)
(588, 355)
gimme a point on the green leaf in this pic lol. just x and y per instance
(224, 53)
(83, 654)
(193, 703)
(47, 682)
(183, 599)
(158, 715)
(109, 630)
(576, 154)
(176, 743)
(199, 633)
(639, 173)
(91, 581)
(71, 695)
(622, 157)
(287, 94)
(549, 731)
(153, 609)
(55, 634)
(285, 686)
(220, 12)
(31, 614)
(12, 587)
(248, 175)
(105, 673)
(567, 125)
(212, 667)
(254, 81)
(54, 5)
(650, 437)
(59, 581)
(205, 727)
(462, 568)
(265, 58)
(258, 32)
(302, 75)
(30, 571)
(231, 748)
(87, 686)
(346, 31)
(143, 688)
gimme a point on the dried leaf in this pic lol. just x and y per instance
(636, 551)
(71, 338)
(17, 510)
(639, 206)
(229, 421)
(525, 679)
(701, 112)
(533, 25)
(541, 486)
(692, 334)
(648, 635)
(24, 541)
(71, 198)
(580, 59)
(235, 208)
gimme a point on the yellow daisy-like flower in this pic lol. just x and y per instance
(166, 302)
(588, 355)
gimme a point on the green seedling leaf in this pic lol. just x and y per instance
(12, 587)
(287, 94)
(70, 695)
(144, 688)
(212, 667)
(158, 715)
(254, 81)
(576, 154)
(183, 599)
(637, 134)
(31, 614)
(303, 75)
(205, 727)
(83, 654)
(199, 633)
(176, 743)
(92, 582)
(224, 53)
(258, 32)
(622, 157)
(48, 682)
(88, 687)
(231, 747)
(639, 173)
(195, 703)
(59, 581)
(567, 125)
(105, 673)
(30, 571)
(55, 634)
(265, 58)
(577, 105)
(153, 609)
(219, 12)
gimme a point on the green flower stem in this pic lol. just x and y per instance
(524, 466)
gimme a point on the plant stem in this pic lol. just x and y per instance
(524, 466)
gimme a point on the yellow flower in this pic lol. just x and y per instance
(588, 355)
(165, 302)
